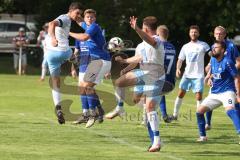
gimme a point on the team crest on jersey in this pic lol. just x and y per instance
(217, 76)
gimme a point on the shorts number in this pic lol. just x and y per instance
(229, 101)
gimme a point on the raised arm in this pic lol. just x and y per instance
(144, 36)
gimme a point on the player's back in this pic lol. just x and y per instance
(170, 62)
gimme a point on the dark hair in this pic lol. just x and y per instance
(150, 22)
(75, 5)
(194, 27)
(222, 44)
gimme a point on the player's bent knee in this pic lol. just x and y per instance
(202, 109)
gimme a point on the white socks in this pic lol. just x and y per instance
(56, 96)
(154, 123)
(177, 105)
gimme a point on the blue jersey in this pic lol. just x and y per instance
(223, 73)
(170, 62)
(84, 57)
(97, 42)
(231, 51)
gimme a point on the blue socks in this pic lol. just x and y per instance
(209, 117)
(235, 118)
(84, 101)
(201, 124)
(163, 107)
(93, 101)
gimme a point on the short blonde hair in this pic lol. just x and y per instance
(90, 11)
(221, 28)
(163, 31)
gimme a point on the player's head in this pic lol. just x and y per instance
(220, 33)
(75, 10)
(163, 32)
(219, 48)
(194, 32)
(149, 24)
(90, 16)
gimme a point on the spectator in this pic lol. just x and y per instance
(20, 41)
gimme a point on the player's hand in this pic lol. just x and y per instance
(209, 82)
(54, 42)
(178, 73)
(133, 22)
(119, 59)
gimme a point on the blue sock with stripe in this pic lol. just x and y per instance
(163, 106)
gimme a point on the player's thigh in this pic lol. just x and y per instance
(185, 84)
(212, 101)
(197, 85)
(128, 79)
(106, 67)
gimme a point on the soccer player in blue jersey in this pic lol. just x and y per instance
(170, 67)
(225, 89)
(58, 50)
(99, 65)
(233, 54)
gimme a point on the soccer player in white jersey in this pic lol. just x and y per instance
(148, 80)
(193, 78)
(58, 50)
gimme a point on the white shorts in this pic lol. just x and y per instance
(16, 60)
(227, 99)
(95, 71)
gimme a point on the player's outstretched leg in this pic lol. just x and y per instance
(119, 110)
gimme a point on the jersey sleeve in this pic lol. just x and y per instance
(92, 29)
(62, 20)
(182, 54)
(206, 47)
(231, 68)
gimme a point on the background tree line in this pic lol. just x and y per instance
(113, 15)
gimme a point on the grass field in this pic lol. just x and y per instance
(29, 129)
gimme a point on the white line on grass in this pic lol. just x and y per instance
(118, 140)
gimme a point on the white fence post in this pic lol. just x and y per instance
(20, 61)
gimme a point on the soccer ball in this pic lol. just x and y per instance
(115, 43)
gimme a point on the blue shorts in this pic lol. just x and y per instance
(55, 59)
(152, 90)
(196, 84)
(44, 62)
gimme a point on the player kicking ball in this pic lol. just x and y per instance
(147, 80)
(225, 89)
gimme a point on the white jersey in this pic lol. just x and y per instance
(193, 53)
(61, 33)
(152, 58)
(151, 55)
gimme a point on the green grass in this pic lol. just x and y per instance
(29, 130)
